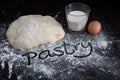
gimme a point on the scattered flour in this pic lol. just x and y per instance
(10, 64)
(3, 64)
(54, 65)
(62, 66)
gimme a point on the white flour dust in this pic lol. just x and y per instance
(65, 64)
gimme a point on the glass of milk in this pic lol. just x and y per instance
(77, 15)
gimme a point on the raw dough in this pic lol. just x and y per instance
(32, 30)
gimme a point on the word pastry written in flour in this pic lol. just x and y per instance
(60, 52)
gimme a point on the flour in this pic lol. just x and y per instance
(65, 66)
(10, 64)
(48, 66)
(43, 68)
(19, 77)
(3, 64)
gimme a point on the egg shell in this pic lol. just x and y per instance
(94, 27)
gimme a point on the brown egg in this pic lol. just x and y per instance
(94, 27)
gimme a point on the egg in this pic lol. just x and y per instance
(94, 27)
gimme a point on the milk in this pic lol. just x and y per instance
(77, 20)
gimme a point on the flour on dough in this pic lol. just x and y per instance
(32, 30)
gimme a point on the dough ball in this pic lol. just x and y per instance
(32, 30)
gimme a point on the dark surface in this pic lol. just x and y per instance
(103, 10)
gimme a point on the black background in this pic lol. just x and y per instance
(106, 11)
(109, 9)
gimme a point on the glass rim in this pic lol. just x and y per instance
(79, 4)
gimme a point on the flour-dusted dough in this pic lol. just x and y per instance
(32, 30)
